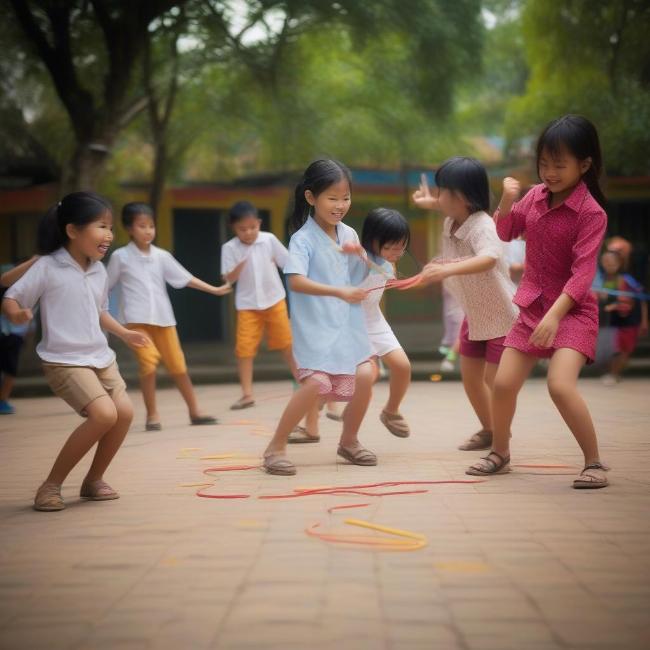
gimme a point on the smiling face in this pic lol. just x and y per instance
(561, 172)
(332, 204)
(92, 241)
(143, 230)
(392, 251)
(247, 228)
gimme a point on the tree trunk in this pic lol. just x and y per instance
(159, 174)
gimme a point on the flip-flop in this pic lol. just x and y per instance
(396, 424)
(278, 464)
(300, 435)
(98, 491)
(204, 419)
(242, 403)
(357, 455)
(480, 440)
(592, 477)
(490, 466)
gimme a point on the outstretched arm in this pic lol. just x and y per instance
(130, 337)
(302, 284)
(13, 275)
(222, 290)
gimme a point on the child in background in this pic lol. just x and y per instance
(563, 221)
(627, 315)
(479, 280)
(331, 344)
(142, 271)
(251, 260)
(70, 285)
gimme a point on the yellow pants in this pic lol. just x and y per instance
(253, 323)
(165, 346)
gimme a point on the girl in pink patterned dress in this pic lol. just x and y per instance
(563, 222)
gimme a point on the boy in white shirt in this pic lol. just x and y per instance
(143, 270)
(251, 259)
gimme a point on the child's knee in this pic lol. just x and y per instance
(558, 388)
(102, 412)
(124, 409)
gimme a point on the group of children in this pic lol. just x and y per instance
(336, 334)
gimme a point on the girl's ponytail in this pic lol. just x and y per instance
(78, 209)
(591, 178)
(300, 208)
(49, 236)
(320, 175)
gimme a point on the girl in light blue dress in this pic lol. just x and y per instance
(330, 341)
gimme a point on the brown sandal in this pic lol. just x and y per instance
(480, 440)
(357, 455)
(487, 465)
(98, 491)
(396, 424)
(277, 463)
(592, 477)
(300, 435)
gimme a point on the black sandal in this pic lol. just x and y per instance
(490, 466)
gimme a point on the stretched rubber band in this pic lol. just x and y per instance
(346, 507)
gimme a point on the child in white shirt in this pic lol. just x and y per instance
(251, 259)
(143, 270)
(70, 285)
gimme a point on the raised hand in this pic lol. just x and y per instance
(423, 198)
(511, 189)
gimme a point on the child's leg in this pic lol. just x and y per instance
(6, 386)
(473, 371)
(400, 378)
(112, 440)
(619, 363)
(356, 408)
(514, 368)
(102, 416)
(302, 401)
(184, 385)
(148, 388)
(245, 370)
(287, 353)
(563, 372)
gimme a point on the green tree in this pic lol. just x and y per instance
(594, 59)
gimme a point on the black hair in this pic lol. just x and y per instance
(131, 210)
(577, 134)
(78, 209)
(383, 226)
(320, 175)
(241, 210)
(468, 177)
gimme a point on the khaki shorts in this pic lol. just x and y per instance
(165, 346)
(252, 324)
(80, 385)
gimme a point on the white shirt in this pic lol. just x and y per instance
(144, 298)
(71, 301)
(259, 285)
(486, 298)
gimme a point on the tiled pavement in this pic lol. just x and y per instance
(518, 562)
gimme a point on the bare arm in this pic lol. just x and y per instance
(15, 313)
(13, 275)
(222, 290)
(435, 272)
(302, 284)
(130, 337)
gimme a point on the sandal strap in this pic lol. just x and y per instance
(496, 465)
(594, 466)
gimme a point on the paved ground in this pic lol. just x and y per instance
(520, 561)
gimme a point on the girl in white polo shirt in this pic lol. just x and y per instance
(70, 284)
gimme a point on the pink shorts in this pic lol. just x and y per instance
(334, 388)
(626, 338)
(490, 350)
